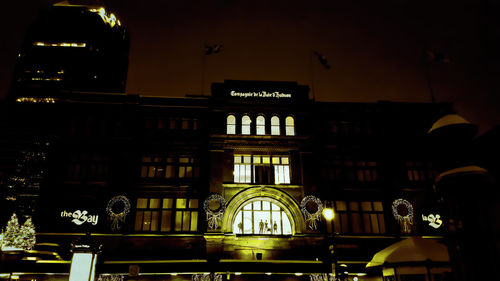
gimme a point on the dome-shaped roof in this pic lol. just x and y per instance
(471, 169)
(450, 120)
(414, 249)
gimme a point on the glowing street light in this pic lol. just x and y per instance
(328, 214)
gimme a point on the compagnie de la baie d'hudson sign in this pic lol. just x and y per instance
(261, 94)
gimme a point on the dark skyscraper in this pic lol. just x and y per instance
(72, 48)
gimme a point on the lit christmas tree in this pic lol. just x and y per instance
(12, 239)
(27, 235)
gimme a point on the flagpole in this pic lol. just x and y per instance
(311, 67)
(428, 78)
(203, 65)
(429, 58)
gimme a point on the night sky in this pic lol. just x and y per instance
(376, 49)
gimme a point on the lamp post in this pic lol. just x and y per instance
(329, 215)
(84, 259)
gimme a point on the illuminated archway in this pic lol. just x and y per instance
(262, 216)
(281, 200)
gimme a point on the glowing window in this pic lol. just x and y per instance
(231, 125)
(261, 125)
(242, 168)
(245, 125)
(290, 126)
(275, 126)
(261, 169)
(262, 217)
(166, 215)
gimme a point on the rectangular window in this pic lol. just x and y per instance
(172, 124)
(367, 171)
(420, 171)
(353, 217)
(281, 170)
(242, 168)
(159, 167)
(92, 167)
(166, 215)
(335, 169)
(262, 169)
(185, 124)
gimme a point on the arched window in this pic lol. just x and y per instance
(261, 125)
(275, 126)
(245, 125)
(262, 217)
(231, 125)
(290, 126)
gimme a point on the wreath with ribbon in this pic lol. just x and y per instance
(214, 216)
(312, 218)
(116, 218)
(406, 220)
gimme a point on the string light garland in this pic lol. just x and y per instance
(110, 277)
(116, 218)
(214, 216)
(312, 218)
(405, 220)
(207, 277)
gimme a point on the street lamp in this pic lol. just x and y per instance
(329, 215)
(84, 259)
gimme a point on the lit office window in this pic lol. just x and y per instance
(245, 125)
(275, 126)
(242, 168)
(290, 126)
(60, 44)
(261, 169)
(262, 217)
(166, 215)
(365, 217)
(281, 170)
(152, 167)
(187, 167)
(231, 125)
(261, 125)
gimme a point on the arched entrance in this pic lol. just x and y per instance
(252, 205)
(261, 216)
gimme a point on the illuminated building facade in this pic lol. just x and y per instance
(230, 185)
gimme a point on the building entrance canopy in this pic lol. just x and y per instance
(414, 249)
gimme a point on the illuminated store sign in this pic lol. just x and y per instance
(261, 94)
(107, 18)
(80, 217)
(434, 220)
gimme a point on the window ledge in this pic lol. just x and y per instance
(246, 185)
